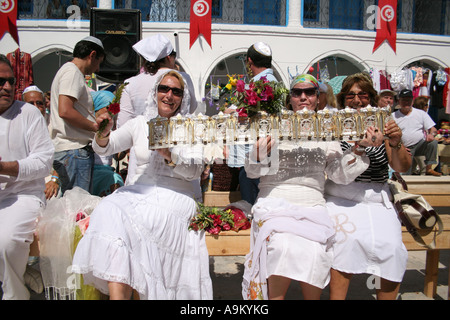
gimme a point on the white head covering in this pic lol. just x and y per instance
(32, 88)
(94, 40)
(151, 110)
(263, 48)
(154, 48)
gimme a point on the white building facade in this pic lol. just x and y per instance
(304, 38)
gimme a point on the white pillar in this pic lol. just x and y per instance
(295, 8)
(105, 4)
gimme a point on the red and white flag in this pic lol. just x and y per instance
(386, 24)
(8, 18)
(200, 21)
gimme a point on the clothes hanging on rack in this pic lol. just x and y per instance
(23, 71)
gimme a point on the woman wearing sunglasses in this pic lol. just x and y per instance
(368, 232)
(292, 232)
(138, 237)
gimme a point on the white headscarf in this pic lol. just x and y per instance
(151, 109)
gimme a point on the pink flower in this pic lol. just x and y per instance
(241, 112)
(267, 94)
(240, 86)
(252, 98)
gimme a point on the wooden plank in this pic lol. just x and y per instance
(220, 198)
(431, 273)
(229, 243)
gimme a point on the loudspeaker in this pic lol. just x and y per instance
(119, 30)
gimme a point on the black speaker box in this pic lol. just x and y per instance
(119, 30)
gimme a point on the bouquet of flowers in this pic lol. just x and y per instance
(113, 108)
(260, 95)
(214, 220)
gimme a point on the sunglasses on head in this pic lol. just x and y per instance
(11, 81)
(309, 92)
(361, 95)
(165, 89)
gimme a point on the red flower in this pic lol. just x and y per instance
(240, 86)
(241, 112)
(114, 108)
(240, 220)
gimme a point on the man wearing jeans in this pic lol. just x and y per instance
(418, 131)
(72, 119)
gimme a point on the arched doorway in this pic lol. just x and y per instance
(46, 67)
(215, 95)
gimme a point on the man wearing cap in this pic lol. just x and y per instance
(386, 98)
(413, 123)
(259, 65)
(26, 155)
(35, 96)
(259, 62)
(72, 118)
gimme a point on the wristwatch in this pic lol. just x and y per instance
(170, 164)
(397, 146)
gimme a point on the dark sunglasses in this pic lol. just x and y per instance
(361, 95)
(11, 81)
(36, 103)
(176, 91)
(309, 92)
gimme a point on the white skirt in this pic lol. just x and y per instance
(299, 259)
(139, 236)
(368, 231)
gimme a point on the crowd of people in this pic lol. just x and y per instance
(321, 210)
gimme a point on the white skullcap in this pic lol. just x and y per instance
(94, 40)
(323, 87)
(154, 48)
(32, 88)
(388, 91)
(263, 48)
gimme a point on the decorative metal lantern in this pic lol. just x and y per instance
(327, 124)
(200, 129)
(179, 130)
(262, 124)
(306, 124)
(158, 136)
(368, 117)
(243, 130)
(385, 115)
(286, 125)
(348, 124)
(220, 128)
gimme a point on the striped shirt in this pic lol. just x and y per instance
(378, 170)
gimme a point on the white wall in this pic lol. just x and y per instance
(292, 45)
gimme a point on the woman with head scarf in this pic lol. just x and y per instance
(368, 232)
(292, 234)
(138, 237)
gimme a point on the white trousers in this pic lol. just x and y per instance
(17, 225)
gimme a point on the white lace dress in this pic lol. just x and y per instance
(139, 234)
(292, 234)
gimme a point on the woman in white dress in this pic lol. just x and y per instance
(138, 237)
(368, 231)
(292, 234)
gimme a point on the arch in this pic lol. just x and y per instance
(48, 49)
(360, 65)
(235, 68)
(433, 61)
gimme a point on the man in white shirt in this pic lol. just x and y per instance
(414, 123)
(26, 155)
(72, 116)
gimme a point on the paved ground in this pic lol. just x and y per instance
(226, 274)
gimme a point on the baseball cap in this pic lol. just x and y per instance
(405, 93)
(154, 48)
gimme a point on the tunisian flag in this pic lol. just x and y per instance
(8, 18)
(386, 24)
(200, 22)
